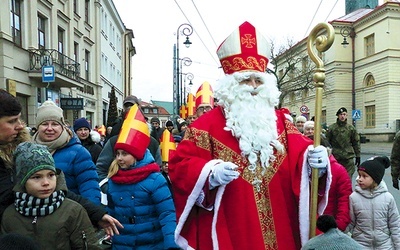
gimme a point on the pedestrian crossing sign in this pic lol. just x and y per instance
(356, 114)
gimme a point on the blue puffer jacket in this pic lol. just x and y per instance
(145, 208)
(80, 172)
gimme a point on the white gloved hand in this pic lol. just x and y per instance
(223, 173)
(317, 157)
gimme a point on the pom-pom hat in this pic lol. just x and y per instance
(134, 137)
(375, 167)
(167, 146)
(204, 95)
(244, 50)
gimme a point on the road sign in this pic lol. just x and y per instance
(304, 109)
(356, 114)
(48, 74)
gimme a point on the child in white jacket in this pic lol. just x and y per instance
(375, 221)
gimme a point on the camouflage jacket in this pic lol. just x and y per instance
(395, 157)
(344, 140)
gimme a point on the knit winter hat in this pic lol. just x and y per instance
(10, 106)
(155, 119)
(341, 110)
(49, 111)
(375, 167)
(30, 158)
(81, 123)
(169, 123)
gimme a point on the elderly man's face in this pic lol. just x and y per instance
(203, 109)
(252, 80)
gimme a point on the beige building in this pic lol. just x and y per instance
(51, 49)
(364, 76)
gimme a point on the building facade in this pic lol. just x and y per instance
(51, 50)
(361, 72)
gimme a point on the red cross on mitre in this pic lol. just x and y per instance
(244, 50)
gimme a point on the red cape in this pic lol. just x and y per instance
(244, 218)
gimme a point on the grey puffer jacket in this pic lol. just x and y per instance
(375, 221)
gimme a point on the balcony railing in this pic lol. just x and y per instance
(62, 64)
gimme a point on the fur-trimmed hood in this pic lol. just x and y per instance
(7, 150)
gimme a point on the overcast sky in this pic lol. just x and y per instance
(155, 24)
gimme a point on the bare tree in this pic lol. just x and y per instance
(293, 69)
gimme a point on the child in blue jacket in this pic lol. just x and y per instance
(138, 194)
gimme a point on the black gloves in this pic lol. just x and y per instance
(357, 161)
(395, 183)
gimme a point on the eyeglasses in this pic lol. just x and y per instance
(202, 109)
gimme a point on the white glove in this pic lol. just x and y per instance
(317, 157)
(222, 174)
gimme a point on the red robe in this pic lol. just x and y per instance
(243, 217)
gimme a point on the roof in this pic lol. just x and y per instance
(168, 106)
(353, 16)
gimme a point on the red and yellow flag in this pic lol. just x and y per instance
(167, 146)
(205, 95)
(134, 137)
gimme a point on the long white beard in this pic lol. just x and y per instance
(251, 118)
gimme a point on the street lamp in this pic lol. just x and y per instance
(186, 30)
(349, 32)
(188, 76)
(186, 61)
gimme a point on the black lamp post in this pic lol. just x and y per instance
(188, 76)
(349, 32)
(186, 30)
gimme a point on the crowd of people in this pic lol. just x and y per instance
(241, 181)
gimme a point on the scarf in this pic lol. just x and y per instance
(60, 142)
(134, 175)
(29, 205)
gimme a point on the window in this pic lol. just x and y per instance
(75, 6)
(76, 52)
(369, 80)
(369, 45)
(41, 32)
(15, 21)
(87, 3)
(60, 40)
(305, 64)
(155, 111)
(87, 65)
(323, 117)
(370, 116)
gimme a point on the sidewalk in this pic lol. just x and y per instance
(376, 148)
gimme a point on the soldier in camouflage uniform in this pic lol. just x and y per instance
(345, 142)
(395, 160)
